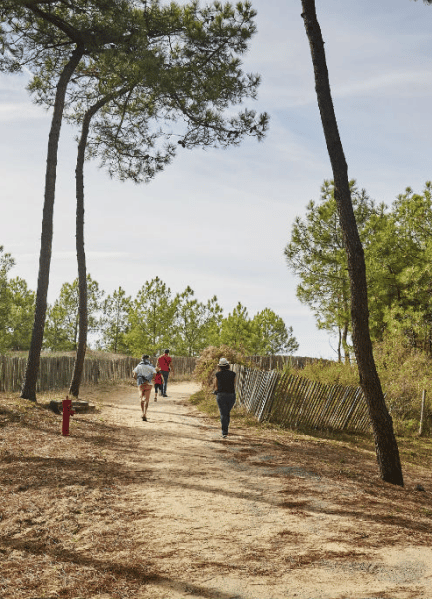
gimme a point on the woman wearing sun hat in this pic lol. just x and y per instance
(224, 389)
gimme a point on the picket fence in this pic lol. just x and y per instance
(271, 395)
(296, 402)
(56, 372)
(277, 362)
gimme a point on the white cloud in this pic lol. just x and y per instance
(20, 111)
(406, 83)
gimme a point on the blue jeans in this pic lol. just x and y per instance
(225, 403)
(165, 374)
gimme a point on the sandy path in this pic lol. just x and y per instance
(242, 519)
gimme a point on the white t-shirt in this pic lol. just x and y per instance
(145, 370)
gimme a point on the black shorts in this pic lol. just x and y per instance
(158, 386)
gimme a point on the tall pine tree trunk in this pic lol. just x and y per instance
(28, 390)
(80, 250)
(385, 441)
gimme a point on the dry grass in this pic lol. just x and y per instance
(414, 450)
(62, 530)
(70, 526)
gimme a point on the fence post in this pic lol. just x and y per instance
(422, 412)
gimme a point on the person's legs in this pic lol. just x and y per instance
(225, 403)
(165, 374)
(141, 392)
(145, 391)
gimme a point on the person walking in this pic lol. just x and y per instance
(164, 363)
(158, 383)
(224, 389)
(144, 373)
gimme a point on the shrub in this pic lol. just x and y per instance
(404, 373)
(330, 373)
(206, 366)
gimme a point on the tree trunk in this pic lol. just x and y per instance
(339, 350)
(28, 390)
(347, 357)
(385, 441)
(81, 258)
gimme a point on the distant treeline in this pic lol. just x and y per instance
(150, 322)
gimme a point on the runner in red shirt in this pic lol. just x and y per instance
(164, 363)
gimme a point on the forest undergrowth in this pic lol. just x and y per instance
(405, 373)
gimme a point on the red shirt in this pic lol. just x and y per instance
(164, 362)
(158, 379)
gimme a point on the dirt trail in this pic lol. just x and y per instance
(246, 518)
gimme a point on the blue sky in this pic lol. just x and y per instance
(218, 220)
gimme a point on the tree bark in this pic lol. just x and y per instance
(347, 357)
(385, 441)
(80, 249)
(28, 390)
(339, 350)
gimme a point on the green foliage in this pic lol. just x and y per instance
(206, 366)
(235, 330)
(316, 254)
(410, 312)
(270, 335)
(264, 334)
(404, 373)
(156, 320)
(62, 325)
(36, 32)
(16, 308)
(20, 317)
(330, 373)
(195, 323)
(6, 263)
(398, 255)
(151, 319)
(174, 64)
(114, 322)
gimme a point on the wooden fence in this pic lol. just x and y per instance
(296, 402)
(56, 372)
(270, 395)
(280, 362)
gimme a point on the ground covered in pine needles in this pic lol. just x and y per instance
(166, 509)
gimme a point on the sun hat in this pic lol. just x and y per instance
(223, 362)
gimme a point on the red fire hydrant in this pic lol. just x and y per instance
(67, 413)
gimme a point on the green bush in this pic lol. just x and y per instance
(330, 373)
(404, 373)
